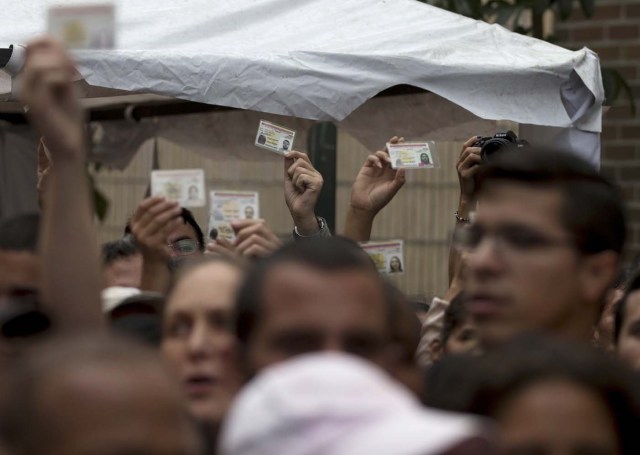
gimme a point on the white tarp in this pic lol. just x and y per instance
(322, 59)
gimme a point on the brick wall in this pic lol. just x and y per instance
(614, 33)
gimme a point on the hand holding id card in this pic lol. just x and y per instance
(273, 137)
(185, 186)
(413, 155)
(227, 206)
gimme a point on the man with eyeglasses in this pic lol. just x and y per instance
(166, 234)
(544, 246)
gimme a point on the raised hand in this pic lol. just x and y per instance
(302, 186)
(154, 219)
(375, 186)
(53, 107)
(377, 183)
(467, 166)
(254, 239)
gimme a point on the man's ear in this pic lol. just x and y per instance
(598, 271)
(436, 349)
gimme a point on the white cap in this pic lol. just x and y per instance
(335, 404)
(113, 296)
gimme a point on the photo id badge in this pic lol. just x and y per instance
(227, 206)
(185, 186)
(387, 256)
(83, 27)
(273, 137)
(413, 155)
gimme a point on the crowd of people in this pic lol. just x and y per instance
(169, 341)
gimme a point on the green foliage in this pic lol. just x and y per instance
(100, 201)
(509, 14)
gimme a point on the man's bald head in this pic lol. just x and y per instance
(94, 395)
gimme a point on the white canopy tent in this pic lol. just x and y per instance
(322, 59)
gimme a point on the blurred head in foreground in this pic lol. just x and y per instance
(545, 397)
(544, 247)
(94, 395)
(334, 404)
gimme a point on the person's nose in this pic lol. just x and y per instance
(200, 342)
(485, 260)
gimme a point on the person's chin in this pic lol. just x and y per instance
(210, 410)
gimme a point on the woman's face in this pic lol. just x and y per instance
(394, 263)
(198, 345)
(556, 417)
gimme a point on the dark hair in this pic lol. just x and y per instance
(500, 375)
(621, 309)
(592, 210)
(404, 325)
(399, 264)
(118, 249)
(325, 254)
(20, 233)
(522, 364)
(188, 218)
(454, 316)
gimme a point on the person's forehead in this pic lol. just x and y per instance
(504, 202)
(290, 288)
(183, 231)
(208, 287)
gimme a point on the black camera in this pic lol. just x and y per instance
(501, 142)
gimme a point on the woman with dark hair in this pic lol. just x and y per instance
(546, 398)
(395, 265)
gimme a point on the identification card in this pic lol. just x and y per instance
(273, 137)
(412, 155)
(185, 186)
(227, 206)
(84, 27)
(387, 256)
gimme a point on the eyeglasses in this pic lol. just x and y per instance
(184, 247)
(510, 237)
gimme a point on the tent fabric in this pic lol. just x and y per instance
(322, 59)
(231, 134)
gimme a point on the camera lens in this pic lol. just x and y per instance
(493, 146)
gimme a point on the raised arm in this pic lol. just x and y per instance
(376, 184)
(302, 186)
(468, 165)
(71, 278)
(152, 222)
